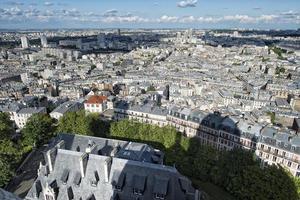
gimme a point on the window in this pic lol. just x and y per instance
(274, 159)
(49, 197)
(289, 164)
(159, 196)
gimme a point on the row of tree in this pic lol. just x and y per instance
(10, 151)
(237, 171)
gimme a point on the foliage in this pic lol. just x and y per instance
(265, 59)
(6, 126)
(80, 123)
(272, 115)
(236, 171)
(280, 70)
(278, 51)
(151, 88)
(5, 171)
(38, 130)
(93, 67)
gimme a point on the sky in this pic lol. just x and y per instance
(202, 14)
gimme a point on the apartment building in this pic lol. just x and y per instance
(95, 104)
(24, 114)
(223, 132)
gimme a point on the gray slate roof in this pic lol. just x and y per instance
(121, 179)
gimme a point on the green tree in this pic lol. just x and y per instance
(6, 126)
(151, 88)
(38, 130)
(84, 124)
(6, 171)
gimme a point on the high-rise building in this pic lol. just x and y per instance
(44, 42)
(24, 42)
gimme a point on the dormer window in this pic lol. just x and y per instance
(49, 197)
(160, 187)
(118, 181)
(159, 196)
(77, 179)
(65, 176)
(138, 183)
(95, 180)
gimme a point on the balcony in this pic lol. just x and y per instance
(279, 155)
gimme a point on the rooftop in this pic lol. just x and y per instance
(96, 99)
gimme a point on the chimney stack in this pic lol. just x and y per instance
(107, 166)
(83, 160)
(51, 154)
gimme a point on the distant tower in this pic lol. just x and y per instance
(119, 31)
(44, 42)
(24, 42)
(236, 34)
(166, 92)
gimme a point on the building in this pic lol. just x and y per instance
(44, 41)
(279, 148)
(11, 109)
(106, 169)
(222, 132)
(24, 114)
(147, 113)
(96, 104)
(24, 42)
(61, 110)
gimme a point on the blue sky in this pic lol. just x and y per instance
(258, 14)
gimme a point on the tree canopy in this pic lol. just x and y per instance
(38, 130)
(236, 171)
(81, 123)
(6, 126)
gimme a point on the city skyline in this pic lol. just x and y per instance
(256, 14)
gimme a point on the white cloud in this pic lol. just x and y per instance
(187, 19)
(124, 19)
(48, 3)
(110, 13)
(167, 19)
(187, 3)
(19, 14)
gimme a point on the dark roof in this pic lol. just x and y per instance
(92, 176)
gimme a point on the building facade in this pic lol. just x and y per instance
(95, 104)
(223, 132)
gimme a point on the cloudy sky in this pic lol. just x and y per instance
(261, 14)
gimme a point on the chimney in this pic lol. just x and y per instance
(107, 167)
(91, 146)
(51, 154)
(83, 160)
(61, 145)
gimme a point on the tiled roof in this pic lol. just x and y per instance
(96, 99)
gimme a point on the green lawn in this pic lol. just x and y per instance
(214, 192)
